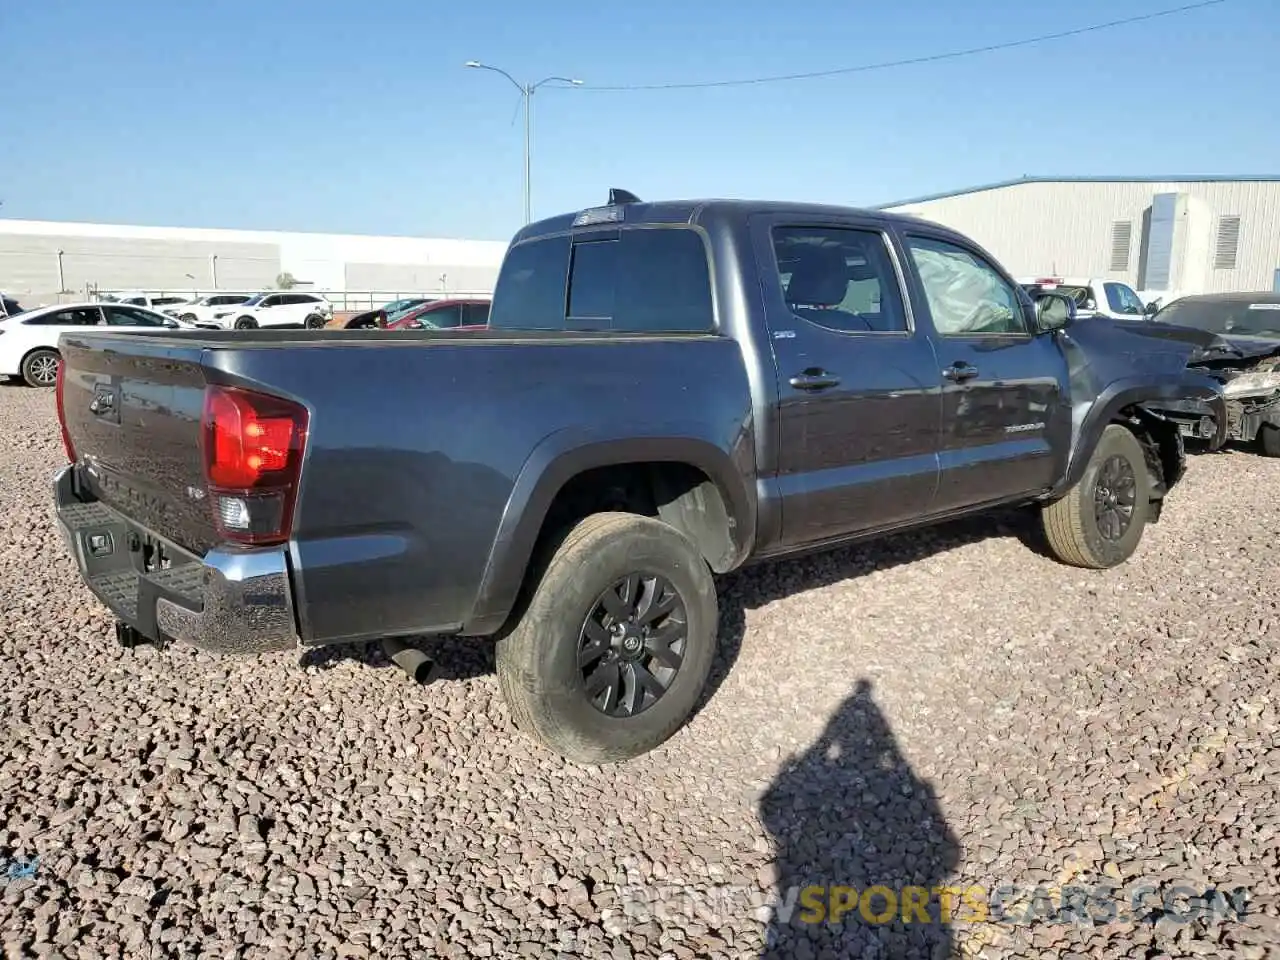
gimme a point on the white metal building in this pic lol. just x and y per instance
(44, 261)
(1168, 235)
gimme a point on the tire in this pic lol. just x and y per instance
(1269, 440)
(190, 318)
(246, 323)
(1082, 534)
(538, 660)
(40, 367)
(314, 322)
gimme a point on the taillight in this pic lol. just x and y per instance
(62, 415)
(253, 445)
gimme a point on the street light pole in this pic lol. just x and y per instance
(527, 91)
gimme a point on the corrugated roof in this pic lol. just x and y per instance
(1194, 178)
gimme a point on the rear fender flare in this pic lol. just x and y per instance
(563, 455)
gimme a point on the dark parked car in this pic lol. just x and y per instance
(9, 307)
(379, 317)
(666, 391)
(1237, 337)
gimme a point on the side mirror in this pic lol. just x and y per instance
(1054, 311)
(1151, 309)
(172, 324)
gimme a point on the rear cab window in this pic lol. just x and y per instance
(632, 280)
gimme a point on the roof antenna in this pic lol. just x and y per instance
(618, 195)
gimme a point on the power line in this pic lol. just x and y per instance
(932, 58)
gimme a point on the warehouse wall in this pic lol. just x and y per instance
(1067, 228)
(29, 264)
(440, 278)
(112, 257)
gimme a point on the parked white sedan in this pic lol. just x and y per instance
(29, 341)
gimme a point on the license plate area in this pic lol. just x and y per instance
(150, 553)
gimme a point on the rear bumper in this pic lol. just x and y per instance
(229, 601)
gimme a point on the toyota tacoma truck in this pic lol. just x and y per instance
(667, 391)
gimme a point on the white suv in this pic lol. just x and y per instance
(164, 303)
(201, 313)
(276, 309)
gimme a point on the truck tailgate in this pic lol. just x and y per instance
(132, 407)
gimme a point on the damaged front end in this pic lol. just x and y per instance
(1251, 388)
(1120, 375)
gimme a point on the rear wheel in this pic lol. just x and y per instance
(40, 368)
(314, 322)
(246, 323)
(1269, 440)
(613, 650)
(1099, 522)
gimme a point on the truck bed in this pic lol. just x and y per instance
(390, 534)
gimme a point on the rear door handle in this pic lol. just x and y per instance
(814, 379)
(960, 371)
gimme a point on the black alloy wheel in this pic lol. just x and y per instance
(1114, 497)
(632, 644)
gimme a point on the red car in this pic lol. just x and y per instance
(445, 315)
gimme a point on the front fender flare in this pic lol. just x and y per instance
(566, 453)
(1146, 391)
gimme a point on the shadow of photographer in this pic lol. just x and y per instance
(861, 844)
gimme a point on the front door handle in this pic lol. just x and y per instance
(814, 379)
(960, 371)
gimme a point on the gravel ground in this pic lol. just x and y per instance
(948, 709)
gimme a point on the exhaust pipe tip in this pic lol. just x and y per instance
(419, 667)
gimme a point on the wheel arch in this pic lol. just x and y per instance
(690, 483)
(1134, 404)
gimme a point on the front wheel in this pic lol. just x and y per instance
(1100, 520)
(246, 323)
(614, 648)
(40, 368)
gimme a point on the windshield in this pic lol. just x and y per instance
(1240, 318)
(399, 308)
(254, 300)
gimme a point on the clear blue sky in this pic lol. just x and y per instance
(347, 116)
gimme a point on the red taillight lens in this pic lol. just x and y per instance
(253, 446)
(62, 414)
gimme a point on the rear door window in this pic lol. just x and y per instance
(477, 314)
(78, 317)
(129, 317)
(839, 278)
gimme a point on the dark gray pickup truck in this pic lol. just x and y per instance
(668, 391)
